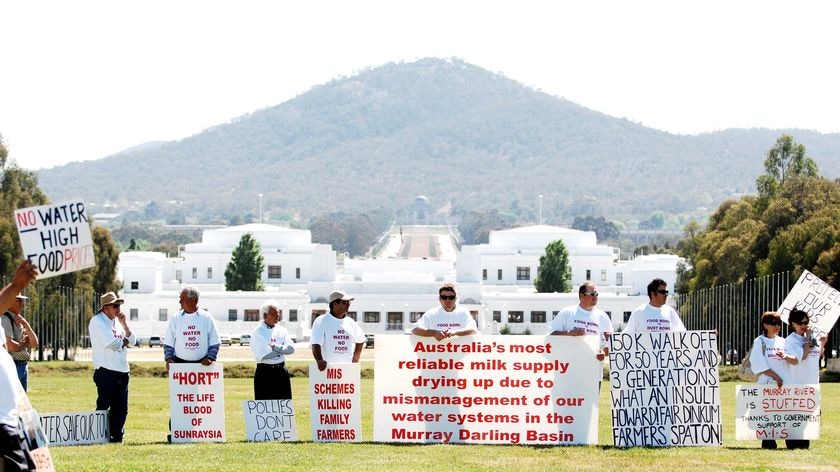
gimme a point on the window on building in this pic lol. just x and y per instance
(371, 317)
(603, 275)
(163, 314)
(297, 272)
(627, 316)
(232, 314)
(315, 315)
(195, 272)
(483, 274)
(133, 314)
(352, 315)
(135, 285)
(414, 316)
(395, 321)
(523, 273)
(588, 274)
(619, 278)
(209, 272)
(516, 316)
(179, 275)
(293, 315)
(474, 314)
(499, 274)
(275, 272)
(252, 315)
(537, 317)
(497, 316)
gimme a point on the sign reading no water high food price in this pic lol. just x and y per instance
(56, 237)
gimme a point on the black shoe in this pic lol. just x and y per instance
(169, 438)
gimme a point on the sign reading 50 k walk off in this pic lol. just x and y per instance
(56, 237)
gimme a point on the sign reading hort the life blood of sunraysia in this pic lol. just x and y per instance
(56, 237)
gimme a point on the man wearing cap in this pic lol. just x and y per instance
(110, 338)
(191, 336)
(446, 320)
(20, 338)
(584, 319)
(337, 338)
(271, 344)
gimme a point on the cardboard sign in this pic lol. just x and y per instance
(486, 390)
(665, 389)
(770, 412)
(72, 429)
(269, 420)
(197, 402)
(56, 237)
(33, 434)
(820, 300)
(335, 406)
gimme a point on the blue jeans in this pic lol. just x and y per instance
(112, 395)
(23, 373)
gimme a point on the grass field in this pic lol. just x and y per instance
(70, 388)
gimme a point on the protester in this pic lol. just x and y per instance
(14, 448)
(768, 359)
(446, 320)
(584, 319)
(804, 352)
(336, 338)
(20, 338)
(110, 339)
(191, 335)
(655, 316)
(271, 344)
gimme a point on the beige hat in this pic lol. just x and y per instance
(109, 298)
(340, 295)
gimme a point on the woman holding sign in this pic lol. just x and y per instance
(805, 351)
(768, 358)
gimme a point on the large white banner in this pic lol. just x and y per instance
(71, 429)
(665, 389)
(820, 300)
(335, 405)
(772, 412)
(486, 390)
(197, 402)
(269, 420)
(56, 237)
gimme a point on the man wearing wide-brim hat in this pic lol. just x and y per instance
(336, 338)
(20, 338)
(110, 338)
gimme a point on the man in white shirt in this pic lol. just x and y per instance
(446, 320)
(110, 338)
(337, 338)
(271, 344)
(191, 335)
(655, 316)
(584, 319)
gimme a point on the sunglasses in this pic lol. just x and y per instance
(801, 323)
(662, 292)
(773, 323)
(590, 294)
(448, 297)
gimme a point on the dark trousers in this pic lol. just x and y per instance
(23, 374)
(797, 443)
(112, 395)
(14, 450)
(271, 382)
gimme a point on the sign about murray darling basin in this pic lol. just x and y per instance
(56, 237)
(820, 300)
(665, 389)
(486, 390)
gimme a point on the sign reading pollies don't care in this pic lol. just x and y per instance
(56, 237)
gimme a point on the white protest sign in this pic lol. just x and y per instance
(197, 402)
(335, 406)
(665, 389)
(820, 300)
(772, 412)
(56, 237)
(33, 434)
(486, 390)
(71, 429)
(269, 420)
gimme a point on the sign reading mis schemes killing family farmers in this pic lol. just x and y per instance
(335, 404)
(486, 390)
(665, 389)
(56, 237)
(819, 299)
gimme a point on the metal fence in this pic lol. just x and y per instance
(735, 311)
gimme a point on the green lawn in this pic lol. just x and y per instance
(145, 447)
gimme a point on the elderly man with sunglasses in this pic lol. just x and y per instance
(584, 319)
(446, 320)
(655, 316)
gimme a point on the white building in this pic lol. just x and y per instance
(494, 280)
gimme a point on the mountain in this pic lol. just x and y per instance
(466, 138)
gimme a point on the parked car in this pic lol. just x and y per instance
(155, 341)
(224, 340)
(245, 340)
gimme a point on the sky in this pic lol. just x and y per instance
(85, 79)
